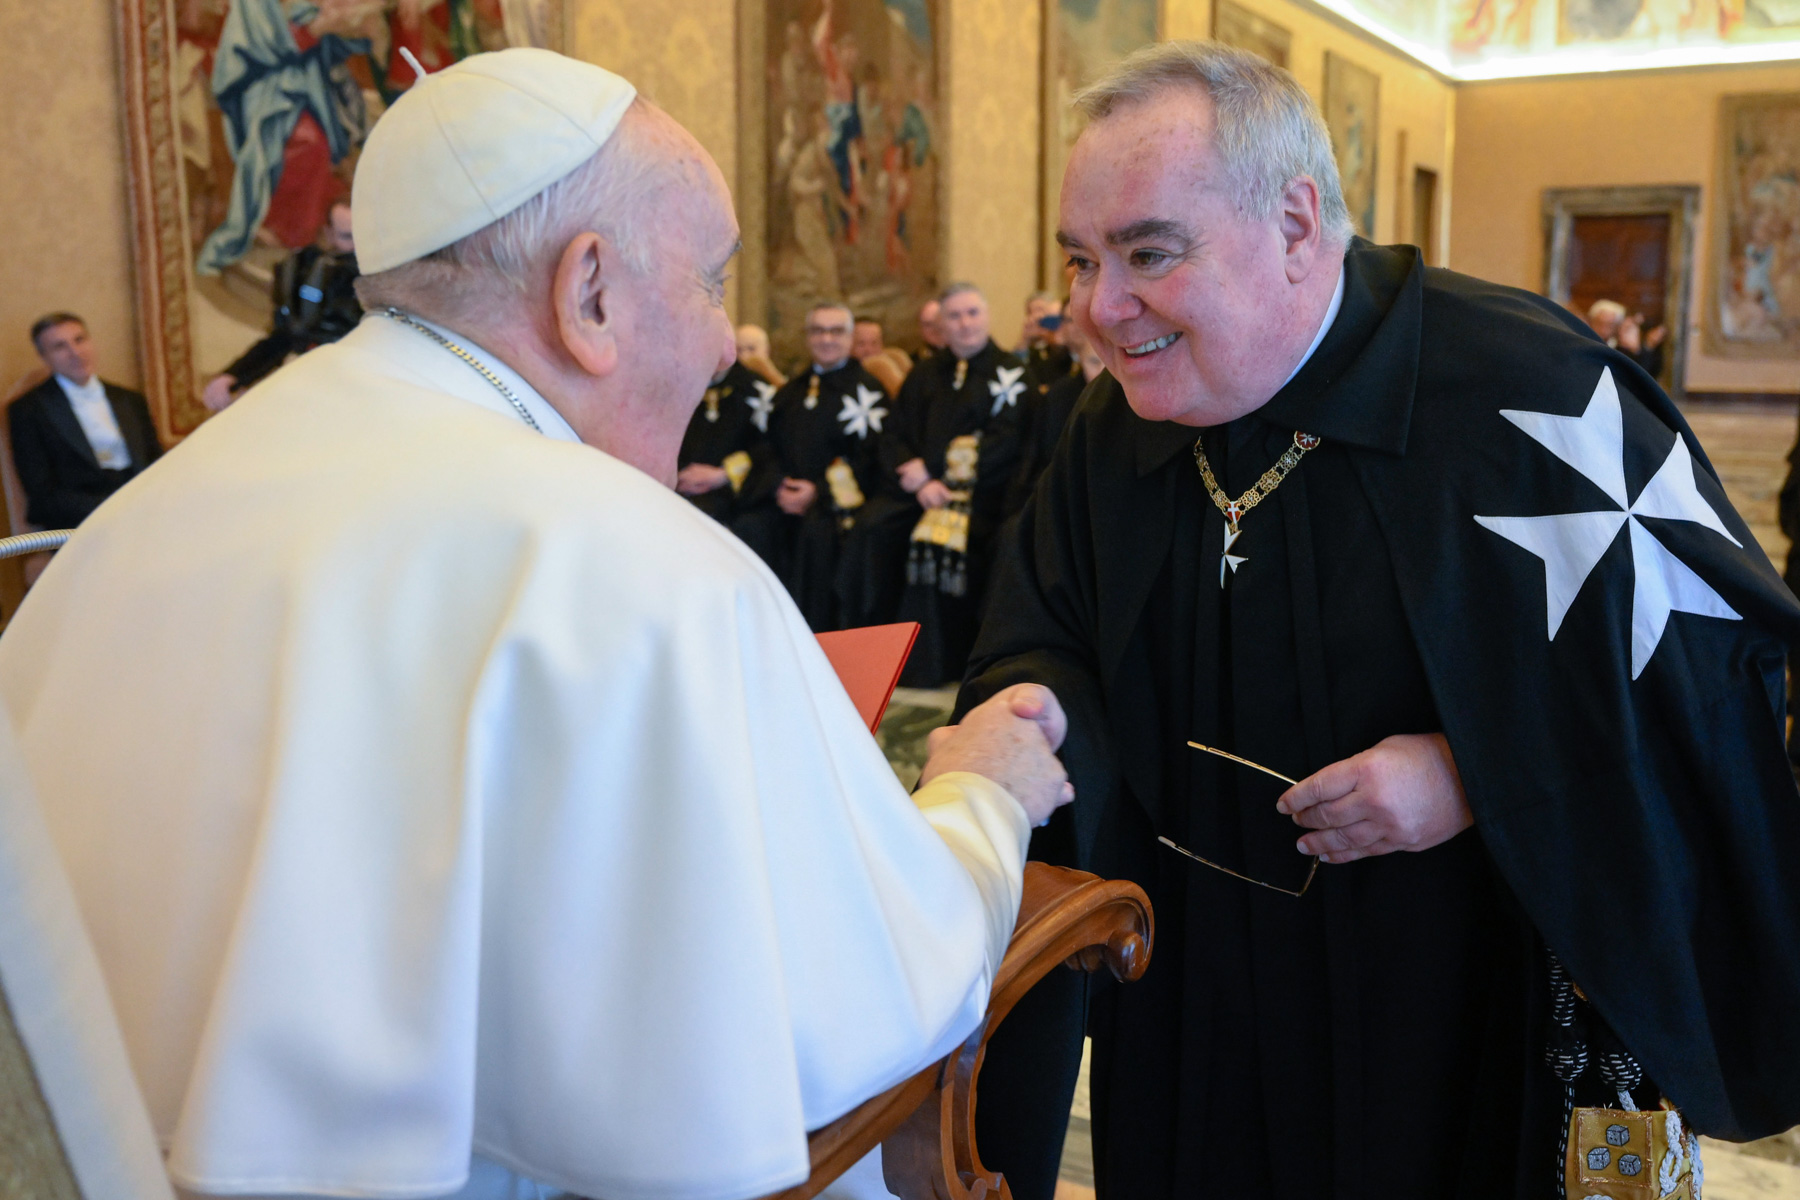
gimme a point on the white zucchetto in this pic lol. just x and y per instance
(467, 145)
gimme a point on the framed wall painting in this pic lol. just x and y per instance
(840, 189)
(1353, 115)
(244, 121)
(1677, 206)
(1082, 40)
(1235, 25)
(1753, 292)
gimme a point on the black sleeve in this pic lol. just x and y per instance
(259, 361)
(900, 440)
(50, 502)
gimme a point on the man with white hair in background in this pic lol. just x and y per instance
(454, 809)
(1424, 545)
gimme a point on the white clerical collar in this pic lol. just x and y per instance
(1331, 312)
(93, 387)
(488, 396)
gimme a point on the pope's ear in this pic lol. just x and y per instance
(585, 295)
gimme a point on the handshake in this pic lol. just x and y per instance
(1011, 739)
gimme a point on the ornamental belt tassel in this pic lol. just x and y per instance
(1619, 1153)
(939, 553)
(846, 495)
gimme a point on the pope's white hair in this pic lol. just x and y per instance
(1267, 131)
(608, 194)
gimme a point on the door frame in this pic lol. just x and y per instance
(1680, 203)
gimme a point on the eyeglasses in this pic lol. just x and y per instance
(1312, 871)
(827, 331)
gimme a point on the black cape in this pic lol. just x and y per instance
(1639, 827)
(807, 433)
(931, 411)
(733, 418)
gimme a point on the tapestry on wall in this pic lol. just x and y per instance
(246, 118)
(1235, 25)
(1755, 271)
(1352, 113)
(853, 163)
(1083, 39)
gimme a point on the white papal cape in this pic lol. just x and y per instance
(434, 787)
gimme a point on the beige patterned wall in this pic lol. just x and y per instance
(62, 194)
(990, 118)
(680, 53)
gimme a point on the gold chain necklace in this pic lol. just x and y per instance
(1234, 510)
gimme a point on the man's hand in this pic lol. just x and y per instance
(934, 495)
(795, 496)
(913, 475)
(1654, 337)
(1631, 339)
(1011, 739)
(697, 479)
(1403, 793)
(217, 394)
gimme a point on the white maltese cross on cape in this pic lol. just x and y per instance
(1572, 544)
(1006, 386)
(860, 414)
(762, 403)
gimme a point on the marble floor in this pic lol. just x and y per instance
(1748, 444)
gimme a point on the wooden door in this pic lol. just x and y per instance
(1424, 213)
(1623, 258)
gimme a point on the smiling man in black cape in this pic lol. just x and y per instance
(1425, 545)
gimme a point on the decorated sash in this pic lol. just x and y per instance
(846, 495)
(940, 541)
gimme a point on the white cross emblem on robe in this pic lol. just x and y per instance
(761, 404)
(1572, 544)
(1005, 388)
(1227, 558)
(861, 413)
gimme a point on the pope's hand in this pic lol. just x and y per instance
(696, 479)
(1403, 793)
(934, 494)
(1011, 739)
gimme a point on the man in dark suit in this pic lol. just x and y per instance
(75, 439)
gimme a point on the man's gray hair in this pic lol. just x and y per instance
(1267, 130)
(958, 288)
(1606, 308)
(605, 195)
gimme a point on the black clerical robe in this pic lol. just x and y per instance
(937, 404)
(733, 420)
(1384, 1035)
(820, 418)
(1042, 427)
(1046, 365)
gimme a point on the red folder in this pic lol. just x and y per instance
(868, 662)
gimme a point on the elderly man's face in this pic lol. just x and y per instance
(1188, 303)
(931, 325)
(67, 350)
(828, 336)
(965, 323)
(752, 342)
(1036, 309)
(868, 341)
(1604, 323)
(677, 336)
(337, 237)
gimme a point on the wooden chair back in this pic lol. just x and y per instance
(926, 1125)
(882, 367)
(17, 577)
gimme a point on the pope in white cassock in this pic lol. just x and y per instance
(455, 809)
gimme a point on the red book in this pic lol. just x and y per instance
(868, 662)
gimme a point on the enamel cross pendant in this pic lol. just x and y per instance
(1228, 559)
